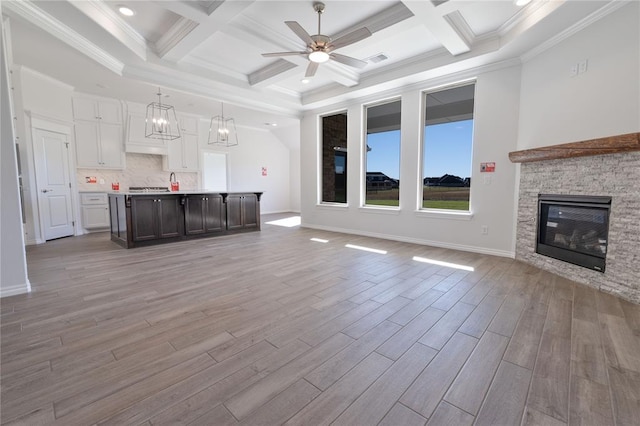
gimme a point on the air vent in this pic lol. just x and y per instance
(377, 58)
(437, 3)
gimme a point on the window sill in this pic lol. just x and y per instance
(332, 206)
(379, 210)
(444, 214)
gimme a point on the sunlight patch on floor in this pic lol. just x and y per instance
(441, 263)
(369, 249)
(319, 240)
(287, 222)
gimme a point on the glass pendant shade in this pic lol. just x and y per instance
(222, 131)
(161, 121)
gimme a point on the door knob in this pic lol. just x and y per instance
(47, 190)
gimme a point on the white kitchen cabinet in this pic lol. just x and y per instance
(182, 153)
(97, 109)
(94, 207)
(98, 145)
(137, 141)
(98, 133)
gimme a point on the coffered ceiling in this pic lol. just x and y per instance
(202, 52)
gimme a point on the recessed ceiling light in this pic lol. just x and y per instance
(274, 124)
(304, 81)
(126, 11)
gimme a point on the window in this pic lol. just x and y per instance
(382, 154)
(334, 158)
(447, 148)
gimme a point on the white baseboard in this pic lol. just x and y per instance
(16, 289)
(279, 211)
(473, 249)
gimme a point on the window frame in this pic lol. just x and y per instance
(363, 157)
(320, 164)
(433, 212)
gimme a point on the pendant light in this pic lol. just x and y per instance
(222, 130)
(161, 121)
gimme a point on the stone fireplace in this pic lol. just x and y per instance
(615, 175)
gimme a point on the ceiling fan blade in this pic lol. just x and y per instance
(348, 60)
(352, 37)
(311, 69)
(300, 32)
(272, 54)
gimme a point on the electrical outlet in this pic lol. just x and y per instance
(101, 181)
(485, 230)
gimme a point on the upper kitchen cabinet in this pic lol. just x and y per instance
(98, 133)
(137, 141)
(182, 155)
(107, 111)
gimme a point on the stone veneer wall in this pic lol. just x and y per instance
(140, 170)
(616, 175)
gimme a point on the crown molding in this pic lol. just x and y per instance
(208, 66)
(176, 33)
(216, 90)
(27, 10)
(577, 27)
(104, 16)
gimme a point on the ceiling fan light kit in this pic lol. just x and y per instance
(320, 47)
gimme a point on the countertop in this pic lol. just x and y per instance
(183, 192)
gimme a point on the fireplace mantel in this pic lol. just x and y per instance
(601, 146)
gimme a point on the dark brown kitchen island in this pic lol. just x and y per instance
(140, 219)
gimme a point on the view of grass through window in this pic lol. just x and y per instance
(447, 148)
(383, 154)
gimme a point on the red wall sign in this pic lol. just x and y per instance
(487, 167)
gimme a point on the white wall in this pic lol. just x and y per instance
(604, 101)
(257, 149)
(13, 267)
(493, 203)
(290, 136)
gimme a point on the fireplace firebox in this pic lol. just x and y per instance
(574, 228)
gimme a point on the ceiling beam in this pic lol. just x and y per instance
(439, 26)
(28, 11)
(106, 18)
(189, 34)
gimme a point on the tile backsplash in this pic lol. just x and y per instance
(141, 170)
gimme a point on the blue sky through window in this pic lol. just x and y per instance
(447, 150)
(385, 153)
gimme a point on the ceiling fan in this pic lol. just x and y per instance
(320, 48)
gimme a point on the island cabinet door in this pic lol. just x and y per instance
(250, 213)
(143, 218)
(242, 211)
(214, 213)
(194, 214)
(234, 212)
(170, 216)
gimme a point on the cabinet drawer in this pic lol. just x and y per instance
(93, 198)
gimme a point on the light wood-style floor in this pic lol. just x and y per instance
(272, 327)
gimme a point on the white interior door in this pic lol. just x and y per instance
(51, 151)
(214, 171)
